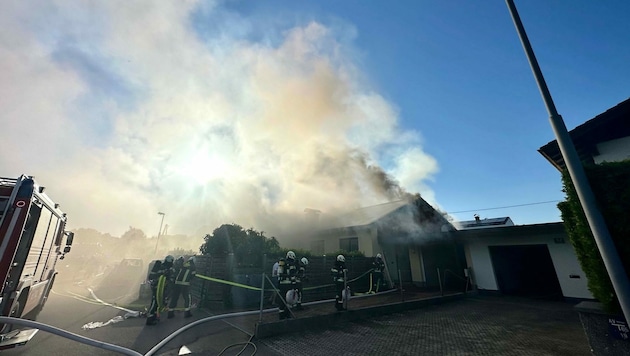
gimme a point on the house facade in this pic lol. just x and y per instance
(423, 248)
(410, 234)
(527, 260)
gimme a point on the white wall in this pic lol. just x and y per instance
(563, 256)
(613, 151)
(368, 243)
(366, 238)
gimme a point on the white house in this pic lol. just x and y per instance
(422, 248)
(528, 260)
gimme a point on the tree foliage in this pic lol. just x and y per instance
(610, 183)
(248, 246)
(133, 234)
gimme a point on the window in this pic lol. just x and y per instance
(349, 244)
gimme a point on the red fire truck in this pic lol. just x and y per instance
(32, 239)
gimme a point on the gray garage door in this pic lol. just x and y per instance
(525, 270)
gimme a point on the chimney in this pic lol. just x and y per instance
(477, 219)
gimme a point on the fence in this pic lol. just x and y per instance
(318, 286)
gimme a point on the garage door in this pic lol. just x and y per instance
(525, 270)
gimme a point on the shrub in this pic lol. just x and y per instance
(610, 183)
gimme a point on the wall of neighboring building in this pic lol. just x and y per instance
(562, 255)
(613, 151)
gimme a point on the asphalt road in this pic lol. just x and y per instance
(71, 306)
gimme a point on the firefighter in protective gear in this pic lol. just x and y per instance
(159, 278)
(184, 274)
(378, 266)
(287, 273)
(339, 272)
(300, 279)
(179, 262)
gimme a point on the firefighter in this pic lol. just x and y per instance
(159, 278)
(339, 272)
(378, 266)
(184, 273)
(179, 262)
(287, 273)
(168, 274)
(300, 279)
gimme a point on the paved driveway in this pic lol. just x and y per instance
(474, 326)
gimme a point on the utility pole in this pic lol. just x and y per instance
(605, 244)
(159, 232)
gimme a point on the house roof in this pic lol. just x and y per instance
(511, 231)
(403, 214)
(613, 124)
(366, 215)
(485, 223)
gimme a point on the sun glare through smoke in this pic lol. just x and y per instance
(209, 124)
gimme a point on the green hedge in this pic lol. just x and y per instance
(610, 183)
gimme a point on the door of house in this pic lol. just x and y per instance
(448, 259)
(525, 270)
(397, 259)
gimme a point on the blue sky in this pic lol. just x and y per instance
(457, 73)
(251, 111)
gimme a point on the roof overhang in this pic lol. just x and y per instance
(613, 124)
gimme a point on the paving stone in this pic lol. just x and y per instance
(472, 326)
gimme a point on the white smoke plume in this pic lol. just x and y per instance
(126, 108)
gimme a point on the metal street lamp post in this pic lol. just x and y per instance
(605, 244)
(159, 232)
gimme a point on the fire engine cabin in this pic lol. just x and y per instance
(32, 239)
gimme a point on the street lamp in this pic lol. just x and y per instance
(595, 219)
(159, 231)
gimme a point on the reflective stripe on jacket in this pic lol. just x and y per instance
(185, 274)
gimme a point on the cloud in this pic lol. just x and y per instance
(124, 109)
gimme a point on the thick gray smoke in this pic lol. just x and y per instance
(123, 109)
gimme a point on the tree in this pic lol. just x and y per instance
(248, 246)
(134, 234)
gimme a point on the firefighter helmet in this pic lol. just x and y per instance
(192, 259)
(304, 261)
(340, 258)
(169, 259)
(379, 256)
(290, 255)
